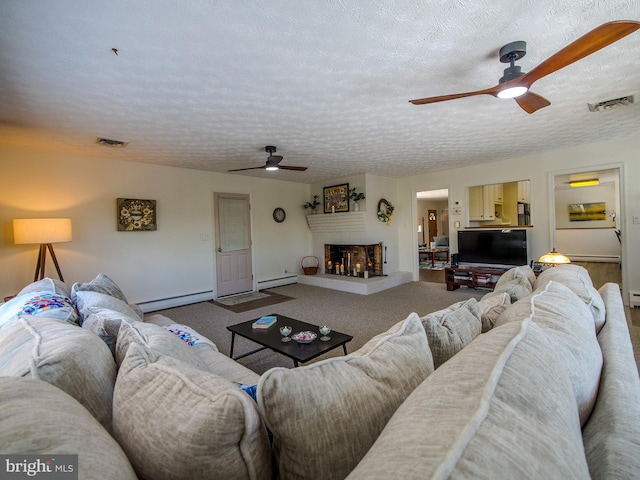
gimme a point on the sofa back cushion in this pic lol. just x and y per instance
(577, 279)
(569, 325)
(47, 285)
(103, 314)
(326, 415)
(501, 408)
(522, 271)
(517, 288)
(47, 297)
(215, 362)
(178, 422)
(451, 329)
(37, 418)
(65, 355)
(492, 307)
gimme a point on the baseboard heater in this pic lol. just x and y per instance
(277, 282)
(177, 301)
(593, 258)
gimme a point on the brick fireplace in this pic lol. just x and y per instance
(369, 257)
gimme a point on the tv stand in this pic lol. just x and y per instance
(472, 277)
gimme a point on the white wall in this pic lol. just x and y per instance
(169, 262)
(536, 168)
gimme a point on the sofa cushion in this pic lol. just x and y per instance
(451, 329)
(37, 418)
(501, 408)
(101, 284)
(104, 285)
(491, 308)
(157, 339)
(522, 271)
(47, 285)
(178, 422)
(577, 279)
(103, 314)
(517, 288)
(40, 303)
(47, 297)
(326, 415)
(216, 362)
(569, 325)
(65, 355)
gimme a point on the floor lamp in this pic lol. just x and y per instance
(44, 231)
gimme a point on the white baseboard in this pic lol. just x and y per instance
(277, 282)
(594, 258)
(178, 301)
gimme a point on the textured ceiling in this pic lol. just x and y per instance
(207, 84)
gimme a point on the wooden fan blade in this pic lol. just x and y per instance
(250, 168)
(531, 102)
(442, 98)
(597, 39)
(299, 169)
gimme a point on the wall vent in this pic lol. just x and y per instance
(111, 143)
(607, 104)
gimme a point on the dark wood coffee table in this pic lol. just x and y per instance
(272, 339)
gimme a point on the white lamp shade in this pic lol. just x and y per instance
(41, 230)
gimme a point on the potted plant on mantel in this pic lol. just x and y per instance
(312, 205)
(356, 197)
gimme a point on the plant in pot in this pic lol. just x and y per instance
(356, 197)
(312, 205)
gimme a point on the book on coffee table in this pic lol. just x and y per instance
(264, 322)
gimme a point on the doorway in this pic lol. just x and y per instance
(594, 241)
(234, 265)
(432, 221)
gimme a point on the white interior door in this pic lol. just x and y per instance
(233, 240)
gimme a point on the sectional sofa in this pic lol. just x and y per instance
(535, 380)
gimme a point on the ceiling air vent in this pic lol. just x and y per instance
(111, 143)
(607, 104)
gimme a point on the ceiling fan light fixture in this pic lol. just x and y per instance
(271, 167)
(512, 92)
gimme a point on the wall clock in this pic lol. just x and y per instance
(279, 215)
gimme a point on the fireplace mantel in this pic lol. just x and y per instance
(336, 222)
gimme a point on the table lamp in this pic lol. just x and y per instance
(44, 231)
(554, 257)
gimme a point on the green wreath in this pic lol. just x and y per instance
(385, 210)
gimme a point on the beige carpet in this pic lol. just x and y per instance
(362, 316)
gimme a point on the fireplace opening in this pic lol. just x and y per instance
(353, 260)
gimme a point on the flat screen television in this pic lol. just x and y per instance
(492, 248)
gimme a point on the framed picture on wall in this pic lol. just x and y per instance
(587, 212)
(136, 215)
(336, 198)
